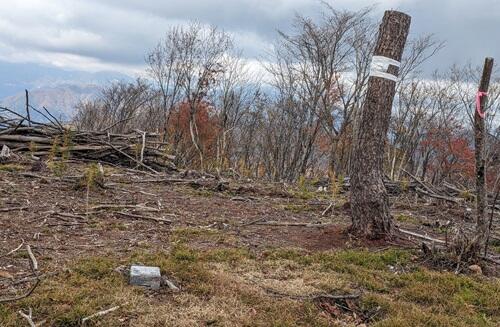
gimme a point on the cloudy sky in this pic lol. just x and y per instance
(97, 35)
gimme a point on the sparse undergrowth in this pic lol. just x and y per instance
(231, 272)
(11, 167)
(230, 287)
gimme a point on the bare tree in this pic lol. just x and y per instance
(116, 109)
(166, 68)
(309, 69)
(185, 66)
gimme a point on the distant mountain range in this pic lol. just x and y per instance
(60, 100)
(57, 89)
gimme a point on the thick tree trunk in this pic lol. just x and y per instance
(479, 133)
(369, 201)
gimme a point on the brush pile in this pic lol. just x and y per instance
(136, 149)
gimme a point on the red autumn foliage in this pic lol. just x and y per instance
(452, 154)
(206, 123)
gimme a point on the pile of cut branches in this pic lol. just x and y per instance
(136, 149)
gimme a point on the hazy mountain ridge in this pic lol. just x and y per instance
(59, 100)
(57, 89)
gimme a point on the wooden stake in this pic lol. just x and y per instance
(479, 134)
(28, 108)
(369, 200)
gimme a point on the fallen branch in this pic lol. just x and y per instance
(424, 237)
(131, 215)
(437, 196)
(291, 224)
(419, 182)
(489, 259)
(34, 269)
(327, 209)
(253, 222)
(7, 254)
(34, 262)
(313, 297)
(123, 206)
(101, 313)
(13, 209)
(28, 317)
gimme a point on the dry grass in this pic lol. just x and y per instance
(228, 276)
(230, 287)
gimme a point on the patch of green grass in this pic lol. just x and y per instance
(229, 255)
(430, 298)
(407, 219)
(187, 234)
(298, 208)
(11, 167)
(227, 287)
(303, 189)
(467, 195)
(495, 246)
(95, 268)
(58, 168)
(335, 260)
(89, 286)
(116, 226)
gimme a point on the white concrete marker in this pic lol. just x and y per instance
(145, 276)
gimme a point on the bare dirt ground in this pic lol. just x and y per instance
(63, 222)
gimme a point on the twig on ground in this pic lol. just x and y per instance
(13, 209)
(313, 297)
(252, 222)
(424, 237)
(131, 215)
(7, 254)
(101, 313)
(291, 224)
(28, 317)
(437, 196)
(34, 268)
(419, 182)
(123, 206)
(327, 209)
(34, 262)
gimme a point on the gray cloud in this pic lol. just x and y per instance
(116, 34)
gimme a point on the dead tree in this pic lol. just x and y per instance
(479, 134)
(28, 107)
(369, 200)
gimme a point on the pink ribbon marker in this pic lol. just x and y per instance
(478, 103)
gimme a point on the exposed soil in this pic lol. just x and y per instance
(54, 215)
(62, 220)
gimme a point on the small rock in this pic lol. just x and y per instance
(166, 282)
(122, 270)
(145, 276)
(476, 269)
(5, 153)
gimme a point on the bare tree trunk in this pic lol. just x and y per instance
(369, 201)
(479, 133)
(28, 108)
(193, 130)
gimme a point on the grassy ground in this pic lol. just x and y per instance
(232, 271)
(239, 287)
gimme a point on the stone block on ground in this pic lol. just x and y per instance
(145, 276)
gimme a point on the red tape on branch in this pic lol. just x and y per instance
(478, 103)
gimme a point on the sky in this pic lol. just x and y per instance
(115, 35)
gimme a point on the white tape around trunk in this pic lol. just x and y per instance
(379, 66)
